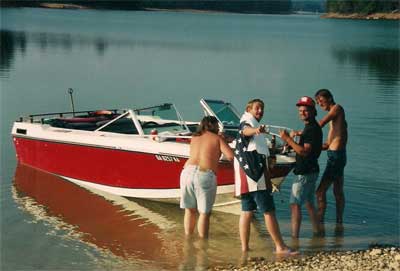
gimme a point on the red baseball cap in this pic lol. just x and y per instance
(306, 101)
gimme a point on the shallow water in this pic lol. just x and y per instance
(118, 59)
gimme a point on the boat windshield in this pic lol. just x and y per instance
(229, 120)
(225, 113)
(163, 118)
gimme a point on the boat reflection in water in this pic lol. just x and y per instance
(137, 234)
(122, 227)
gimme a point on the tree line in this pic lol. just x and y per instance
(362, 6)
(237, 6)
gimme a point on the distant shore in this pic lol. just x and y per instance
(73, 6)
(379, 258)
(61, 6)
(358, 16)
(395, 15)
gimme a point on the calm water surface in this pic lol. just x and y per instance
(117, 59)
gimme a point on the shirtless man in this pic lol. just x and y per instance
(336, 147)
(198, 178)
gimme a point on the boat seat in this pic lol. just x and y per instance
(122, 126)
(62, 123)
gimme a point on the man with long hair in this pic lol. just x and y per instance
(198, 178)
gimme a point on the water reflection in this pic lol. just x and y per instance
(93, 219)
(148, 233)
(14, 41)
(10, 43)
(195, 254)
(380, 63)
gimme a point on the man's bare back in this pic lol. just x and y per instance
(206, 149)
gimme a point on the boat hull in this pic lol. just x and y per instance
(120, 171)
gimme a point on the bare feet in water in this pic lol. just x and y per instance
(287, 251)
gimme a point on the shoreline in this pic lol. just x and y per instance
(394, 15)
(62, 6)
(375, 258)
(359, 16)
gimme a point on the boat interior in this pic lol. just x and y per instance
(122, 125)
(152, 120)
(163, 121)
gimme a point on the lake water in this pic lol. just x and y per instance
(119, 59)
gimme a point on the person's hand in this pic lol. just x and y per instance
(283, 134)
(325, 146)
(260, 129)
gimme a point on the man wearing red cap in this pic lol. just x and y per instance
(336, 151)
(307, 169)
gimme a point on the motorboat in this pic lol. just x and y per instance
(136, 153)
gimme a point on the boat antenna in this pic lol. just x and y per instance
(71, 91)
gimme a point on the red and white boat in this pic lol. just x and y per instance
(135, 153)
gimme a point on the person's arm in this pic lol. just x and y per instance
(325, 146)
(250, 131)
(225, 149)
(300, 150)
(294, 133)
(332, 114)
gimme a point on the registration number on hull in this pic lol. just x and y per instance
(167, 158)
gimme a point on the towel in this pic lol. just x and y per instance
(258, 142)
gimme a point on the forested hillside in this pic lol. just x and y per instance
(362, 6)
(239, 6)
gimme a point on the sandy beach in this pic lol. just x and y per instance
(377, 258)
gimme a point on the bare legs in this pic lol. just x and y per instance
(244, 229)
(274, 231)
(312, 212)
(203, 225)
(189, 222)
(272, 227)
(339, 196)
(296, 218)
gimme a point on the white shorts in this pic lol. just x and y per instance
(198, 189)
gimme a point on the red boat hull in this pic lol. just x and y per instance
(115, 168)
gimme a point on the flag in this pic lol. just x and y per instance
(249, 165)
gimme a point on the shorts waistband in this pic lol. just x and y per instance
(196, 167)
(337, 151)
(191, 167)
(206, 170)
